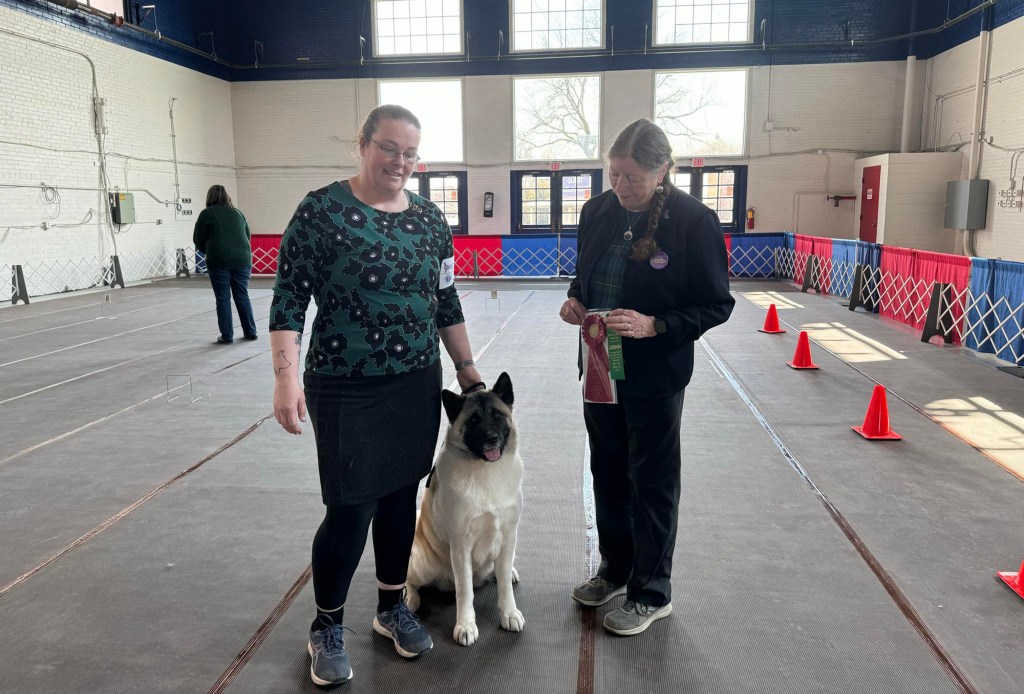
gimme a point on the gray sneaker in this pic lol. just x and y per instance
(403, 627)
(596, 591)
(330, 661)
(633, 618)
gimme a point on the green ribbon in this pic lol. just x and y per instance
(616, 366)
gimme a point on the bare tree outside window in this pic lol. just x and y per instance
(557, 118)
(703, 113)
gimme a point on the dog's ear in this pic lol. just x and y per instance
(452, 404)
(503, 389)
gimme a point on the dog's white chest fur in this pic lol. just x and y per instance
(473, 504)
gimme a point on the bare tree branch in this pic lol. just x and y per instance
(556, 116)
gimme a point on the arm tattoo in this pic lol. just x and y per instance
(287, 364)
(298, 339)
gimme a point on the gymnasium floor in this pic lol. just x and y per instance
(157, 521)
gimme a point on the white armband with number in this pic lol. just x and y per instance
(447, 277)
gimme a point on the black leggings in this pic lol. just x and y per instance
(340, 540)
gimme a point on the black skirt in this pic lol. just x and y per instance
(374, 434)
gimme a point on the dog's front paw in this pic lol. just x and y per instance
(515, 575)
(512, 620)
(466, 634)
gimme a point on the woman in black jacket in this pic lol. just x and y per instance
(655, 258)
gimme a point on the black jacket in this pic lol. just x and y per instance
(691, 294)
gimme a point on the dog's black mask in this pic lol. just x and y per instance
(483, 418)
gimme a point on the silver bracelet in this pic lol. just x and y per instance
(460, 365)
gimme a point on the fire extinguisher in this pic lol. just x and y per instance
(750, 217)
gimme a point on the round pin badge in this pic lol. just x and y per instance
(659, 260)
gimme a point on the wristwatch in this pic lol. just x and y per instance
(660, 326)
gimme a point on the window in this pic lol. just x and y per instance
(722, 188)
(703, 112)
(542, 25)
(550, 201)
(438, 106)
(417, 27)
(110, 6)
(447, 190)
(557, 118)
(681, 180)
(702, 21)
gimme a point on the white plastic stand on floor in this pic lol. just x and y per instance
(107, 307)
(187, 380)
(493, 300)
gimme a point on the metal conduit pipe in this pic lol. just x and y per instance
(978, 121)
(103, 179)
(174, 153)
(910, 80)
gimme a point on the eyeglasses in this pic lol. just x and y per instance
(392, 153)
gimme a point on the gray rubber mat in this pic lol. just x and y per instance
(768, 595)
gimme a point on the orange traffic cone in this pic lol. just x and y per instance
(802, 356)
(771, 322)
(876, 422)
(1014, 579)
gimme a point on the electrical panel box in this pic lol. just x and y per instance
(183, 209)
(122, 208)
(966, 204)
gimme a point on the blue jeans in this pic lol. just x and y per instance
(228, 282)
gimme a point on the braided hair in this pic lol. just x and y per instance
(648, 146)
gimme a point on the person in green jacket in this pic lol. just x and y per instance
(223, 235)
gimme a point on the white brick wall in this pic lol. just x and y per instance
(309, 125)
(47, 102)
(948, 114)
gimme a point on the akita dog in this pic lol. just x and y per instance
(470, 511)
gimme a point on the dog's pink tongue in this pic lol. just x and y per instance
(492, 454)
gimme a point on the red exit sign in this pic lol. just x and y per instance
(421, 167)
(555, 166)
(697, 162)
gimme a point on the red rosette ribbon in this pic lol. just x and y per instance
(598, 384)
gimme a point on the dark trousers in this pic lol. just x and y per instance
(635, 459)
(228, 282)
(340, 540)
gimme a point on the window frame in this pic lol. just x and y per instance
(515, 196)
(423, 181)
(739, 194)
(654, 30)
(600, 114)
(122, 12)
(462, 123)
(512, 34)
(375, 39)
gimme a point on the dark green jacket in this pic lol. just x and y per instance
(223, 235)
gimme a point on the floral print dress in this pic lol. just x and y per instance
(382, 283)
